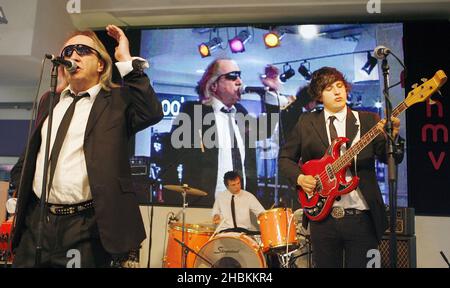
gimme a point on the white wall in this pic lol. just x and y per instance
(433, 235)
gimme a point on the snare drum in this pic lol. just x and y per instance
(231, 250)
(278, 230)
(195, 236)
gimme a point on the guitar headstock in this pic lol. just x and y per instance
(428, 88)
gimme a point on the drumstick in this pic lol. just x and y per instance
(217, 229)
(202, 147)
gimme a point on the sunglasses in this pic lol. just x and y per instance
(81, 49)
(233, 75)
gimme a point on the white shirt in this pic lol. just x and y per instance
(354, 199)
(244, 203)
(225, 161)
(70, 181)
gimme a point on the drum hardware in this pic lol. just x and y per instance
(287, 260)
(184, 190)
(188, 249)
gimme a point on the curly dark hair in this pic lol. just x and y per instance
(323, 77)
(231, 175)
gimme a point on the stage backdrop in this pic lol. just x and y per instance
(427, 50)
(176, 66)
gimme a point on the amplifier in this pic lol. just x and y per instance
(405, 221)
(406, 252)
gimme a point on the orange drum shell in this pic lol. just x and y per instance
(274, 228)
(195, 236)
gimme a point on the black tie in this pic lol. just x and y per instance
(235, 153)
(233, 211)
(333, 132)
(61, 134)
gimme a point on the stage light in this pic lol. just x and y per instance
(370, 64)
(288, 72)
(305, 71)
(206, 48)
(273, 39)
(237, 44)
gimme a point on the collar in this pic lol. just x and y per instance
(93, 92)
(340, 116)
(237, 195)
(217, 105)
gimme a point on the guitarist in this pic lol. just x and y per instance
(358, 219)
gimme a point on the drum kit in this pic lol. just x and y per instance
(200, 246)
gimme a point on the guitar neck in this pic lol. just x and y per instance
(364, 141)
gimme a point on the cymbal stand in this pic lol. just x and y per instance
(183, 228)
(287, 259)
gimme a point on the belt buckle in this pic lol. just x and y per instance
(53, 208)
(338, 212)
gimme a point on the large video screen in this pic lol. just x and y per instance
(176, 66)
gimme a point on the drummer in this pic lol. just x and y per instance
(232, 207)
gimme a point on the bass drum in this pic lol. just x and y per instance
(231, 250)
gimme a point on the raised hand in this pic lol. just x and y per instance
(122, 52)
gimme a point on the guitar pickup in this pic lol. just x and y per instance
(330, 173)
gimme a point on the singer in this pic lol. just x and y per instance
(358, 219)
(91, 205)
(219, 92)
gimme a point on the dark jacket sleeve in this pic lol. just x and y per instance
(290, 153)
(145, 108)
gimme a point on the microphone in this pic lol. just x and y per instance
(70, 65)
(381, 52)
(254, 89)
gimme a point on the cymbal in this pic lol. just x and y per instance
(189, 190)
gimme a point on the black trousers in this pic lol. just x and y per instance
(344, 242)
(70, 241)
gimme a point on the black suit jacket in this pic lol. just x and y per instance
(200, 168)
(309, 141)
(115, 117)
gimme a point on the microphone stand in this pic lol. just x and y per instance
(392, 168)
(43, 200)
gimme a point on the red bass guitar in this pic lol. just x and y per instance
(330, 170)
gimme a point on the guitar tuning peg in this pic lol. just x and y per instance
(423, 80)
(414, 86)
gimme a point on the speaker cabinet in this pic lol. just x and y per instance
(406, 252)
(404, 221)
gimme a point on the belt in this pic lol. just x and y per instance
(70, 209)
(339, 212)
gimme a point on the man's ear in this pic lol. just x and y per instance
(100, 66)
(213, 87)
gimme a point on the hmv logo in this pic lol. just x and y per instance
(436, 132)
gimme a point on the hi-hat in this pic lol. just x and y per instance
(185, 188)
